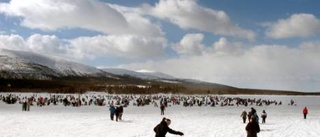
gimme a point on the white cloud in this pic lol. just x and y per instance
(86, 14)
(14, 42)
(127, 46)
(189, 15)
(223, 46)
(262, 67)
(298, 25)
(88, 48)
(44, 44)
(190, 44)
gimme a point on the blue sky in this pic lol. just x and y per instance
(267, 44)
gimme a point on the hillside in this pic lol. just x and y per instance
(31, 72)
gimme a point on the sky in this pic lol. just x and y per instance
(247, 44)
(204, 121)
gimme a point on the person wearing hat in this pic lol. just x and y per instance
(252, 128)
(162, 128)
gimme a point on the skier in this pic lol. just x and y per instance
(305, 112)
(162, 128)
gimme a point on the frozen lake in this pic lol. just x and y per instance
(206, 121)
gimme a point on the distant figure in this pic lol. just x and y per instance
(162, 108)
(120, 112)
(305, 112)
(252, 128)
(244, 116)
(29, 102)
(253, 113)
(24, 105)
(112, 110)
(117, 112)
(264, 116)
(162, 128)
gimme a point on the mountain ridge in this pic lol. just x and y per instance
(27, 71)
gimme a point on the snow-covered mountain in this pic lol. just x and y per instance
(38, 65)
(70, 76)
(28, 65)
(142, 74)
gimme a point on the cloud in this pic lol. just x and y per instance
(189, 15)
(130, 47)
(297, 25)
(44, 44)
(190, 44)
(126, 46)
(14, 42)
(223, 46)
(261, 66)
(51, 15)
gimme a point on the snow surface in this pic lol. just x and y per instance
(206, 121)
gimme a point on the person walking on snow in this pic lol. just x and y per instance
(264, 116)
(244, 116)
(252, 127)
(112, 110)
(162, 108)
(305, 112)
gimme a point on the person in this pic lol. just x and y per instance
(162, 128)
(252, 128)
(117, 112)
(251, 113)
(162, 107)
(24, 105)
(264, 116)
(112, 110)
(120, 112)
(305, 112)
(244, 116)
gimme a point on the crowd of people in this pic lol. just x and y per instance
(77, 100)
(117, 102)
(253, 127)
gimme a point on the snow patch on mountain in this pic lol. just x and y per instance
(143, 74)
(13, 60)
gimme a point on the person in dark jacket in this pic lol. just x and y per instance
(120, 112)
(264, 116)
(117, 112)
(162, 108)
(112, 110)
(162, 128)
(252, 128)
